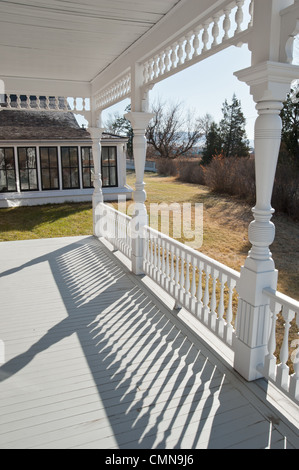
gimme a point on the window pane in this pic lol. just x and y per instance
(86, 178)
(32, 179)
(74, 157)
(105, 156)
(54, 179)
(31, 157)
(113, 176)
(112, 156)
(9, 159)
(3, 185)
(24, 180)
(11, 180)
(85, 156)
(22, 158)
(74, 178)
(65, 160)
(66, 178)
(53, 157)
(2, 159)
(44, 158)
(46, 179)
(105, 176)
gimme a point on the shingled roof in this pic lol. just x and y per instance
(43, 125)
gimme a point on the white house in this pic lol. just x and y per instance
(47, 158)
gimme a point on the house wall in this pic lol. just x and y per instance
(55, 196)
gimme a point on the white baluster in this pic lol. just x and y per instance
(213, 314)
(38, 103)
(167, 59)
(206, 297)
(188, 47)
(239, 15)
(199, 290)
(270, 359)
(173, 56)
(215, 30)
(181, 51)
(283, 368)
(226, 23)
(205, 37)
(8, 102)
(156, 66)
(251, 10)
(196, 42)
(162, 63)
(56, 103)
(229, 313)
(220, 320)
(18, 102)
(47, 103)
(28, 103)
(294, 381)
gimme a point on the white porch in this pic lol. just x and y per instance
(97, 361)
(102, 54)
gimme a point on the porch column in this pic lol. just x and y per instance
(139, 121)
(269, 84)
(97, 197)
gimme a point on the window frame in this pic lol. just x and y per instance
(5, 170)
(31, 168)
(48, 168)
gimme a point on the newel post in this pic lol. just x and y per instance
(139, 121)
(269, 84)
(97, 197)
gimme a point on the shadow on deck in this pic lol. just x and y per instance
(94, 361)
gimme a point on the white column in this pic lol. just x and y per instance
(97, 197)
(269, 83)
(139, 121)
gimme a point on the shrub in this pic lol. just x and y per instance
(166, 167)
(191, 172)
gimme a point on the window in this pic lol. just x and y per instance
(49, 167)
(70, 168)
(87, 166)
(109, 166)
(27, 168)
(7, 170)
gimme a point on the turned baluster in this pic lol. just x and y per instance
(213, 314)
(283, 368)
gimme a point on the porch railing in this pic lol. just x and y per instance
(201, 285)
(207, 289)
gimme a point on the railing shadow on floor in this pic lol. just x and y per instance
(155, 387)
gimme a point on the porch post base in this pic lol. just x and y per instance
(247, 359)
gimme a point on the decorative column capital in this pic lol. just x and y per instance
(139, 120)
(96, 132)
(269, 81)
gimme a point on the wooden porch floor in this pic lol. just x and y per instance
(94, 360)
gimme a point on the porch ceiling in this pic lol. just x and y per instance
(71, 40)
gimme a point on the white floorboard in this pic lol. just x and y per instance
(94, 360)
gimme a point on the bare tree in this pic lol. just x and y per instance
(172, 132)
